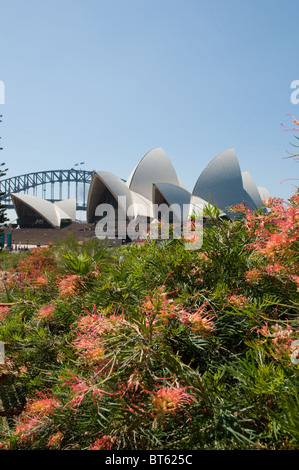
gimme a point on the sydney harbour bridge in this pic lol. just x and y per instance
(53, 185)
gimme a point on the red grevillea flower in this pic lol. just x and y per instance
(40, 260)
(295, 121)
(45, 404)
(199, 321)
(55, 440)
(296, 280)
(69, 285)
(90, 348)
(159, 307)
(169, 400)
(35, 416)
(97, 324)
(80, 387)
(253, 275)
(238, 300)
(3, 312)
(103, 443)
(46, 311)
(274, 238)
(274, 269)
(132, 384)
(90, 330)
(281, 338)
(41, 280)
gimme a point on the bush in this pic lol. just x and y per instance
(151, 346)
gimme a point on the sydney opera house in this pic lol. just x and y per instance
(152, 184)
(33, 211)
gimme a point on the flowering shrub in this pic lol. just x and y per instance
(169, 400)
(103, 443)
(46, 311)
(69, 285)
(35, 417)
(282, 339)
(40, 261)
(151, 346)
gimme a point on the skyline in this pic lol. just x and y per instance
(105, 82)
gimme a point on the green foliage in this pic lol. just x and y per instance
(11, 259)
(151, 346)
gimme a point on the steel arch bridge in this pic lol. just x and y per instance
(53, 185)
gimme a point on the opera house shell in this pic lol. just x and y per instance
(33, 211)
(151, 180)
(154, 182)
(152, 187)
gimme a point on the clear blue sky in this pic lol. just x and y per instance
(105, 81)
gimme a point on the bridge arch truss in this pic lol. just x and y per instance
(53, 185)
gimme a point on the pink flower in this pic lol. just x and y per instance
(80, 387)
(45, 404)
(254, 275)
(54, 441)
(159, 307)
(103, 443)
(281, 338)
(69, 285)
(41, 280)
(90, 348)
(168, 400)
(97, 324)
(3, 312)
(276, 268)
(295, 121)
(46, 311)
(35, 416)
(238, 300)
(199, 321)
(296, 280)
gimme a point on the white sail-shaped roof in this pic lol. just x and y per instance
(103, 181)
(154, 167)
(142, 206)
(53, 213)
(251, 189)
(264, 193)
(68, 206)
(221, 182)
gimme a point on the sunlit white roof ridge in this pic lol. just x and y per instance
(68, 206)
(264, 193)
(53, 213)
(250, 188)
(102, 180)
(220, 183)
(154, 167)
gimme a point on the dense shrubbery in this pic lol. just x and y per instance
(151, 346)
